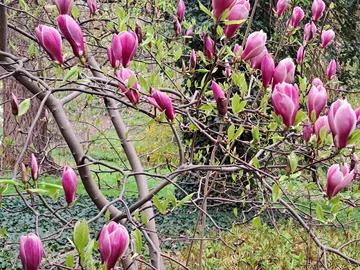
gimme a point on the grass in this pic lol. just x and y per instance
(286, 247)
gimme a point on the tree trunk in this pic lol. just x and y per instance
(15, 131)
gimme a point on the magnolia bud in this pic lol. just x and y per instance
(34, 168)
(342, 122)
(327, 37)
(331, 70)
(181, 10)
(73, 34)
(14, 102)
(31, 251)
(24, 177)
(69, 183)
(113, 242)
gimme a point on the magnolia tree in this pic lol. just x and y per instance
(278, 133)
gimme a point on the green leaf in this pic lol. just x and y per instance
(185, 199)
(234, 22)
(70, 261)
(39, 190)
(300, 116)
(159, 204)
(74, 71)
(231, 132)
(8, 181)
(89, 250)
(107, 215)
(276, 193)
(24, 106)
(81, 235)
(131, 81)
(255, 133)
(3, 188)
(293, 159)
(143, 83)
(144, 218)
(335, 209)
(23, 4)
(354, 137)
(204, 9)
(256, 222)
(255, 162)
(53, 189)
(177, 54)
(75, 11)
(236, 105)
(235, 211)
(137, 240)
(320, 213)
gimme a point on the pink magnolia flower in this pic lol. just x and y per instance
(64, 6)
(73, 34)
(113, 242)
(255, 45)
(321, 123)
(309, 31)
(69, 183)
(327, 37)
(92, 5)
(188, 33)
(284, 71)
(138, 30)
(147, 7)
(124, 74)
(192, 60)
(34, 167)
(31, 251)
(162, 101)
(124, 46)
(357, 113)
(296, 17)
(317, 100)
(317, 9)
(50, 40)
(307, 130)
(282, 6)
(331, 70)
(14, 102)
(338, 178)
(256, 61)
(342, 121)
(181, 10)
(219, 96)
(227, 69)
(316, 82)
(285, 99)
(236, 51)
(219, 6)
(177, 26)
(267, 70)
(238, 12)
(209, 46)
(300, 55)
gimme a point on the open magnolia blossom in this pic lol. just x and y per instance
(285, 99)
(113, 242)
(339, 178)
